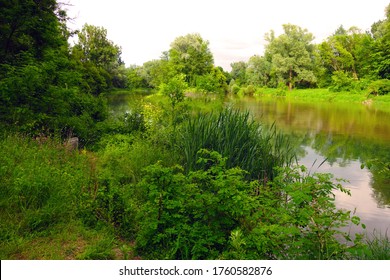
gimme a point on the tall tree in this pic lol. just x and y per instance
(258, 71)
(96, 48)
(339, 52)
(238, 72)
(190, 55)
(291, 56)
(100, 59)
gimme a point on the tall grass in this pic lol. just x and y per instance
(376, 247)
(39, 183)
(46, 195)
(236, 136)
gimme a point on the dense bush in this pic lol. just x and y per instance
(191, 217)
(341, 81)
(215, 213)
(380, 87)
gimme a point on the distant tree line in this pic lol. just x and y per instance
(346, 60)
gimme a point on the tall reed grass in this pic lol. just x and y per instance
(236, 136)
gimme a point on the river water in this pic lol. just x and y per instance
(348, 137)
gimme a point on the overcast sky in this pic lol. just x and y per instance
(235, 29)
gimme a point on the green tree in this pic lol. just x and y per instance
(347, 56)
(156, 72)
(100, 59)
(291, 56)
(39, 82)
(258, 71)
(96, 48)
(381, 50)
(174, 90)
(214, 82)
(238, 72)
(28, 28)
(191, 56)
(338, 51)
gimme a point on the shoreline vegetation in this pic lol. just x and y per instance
(179, 175)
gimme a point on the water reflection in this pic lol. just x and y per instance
(347, 136)
(343, 119)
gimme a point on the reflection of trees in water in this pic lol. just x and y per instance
(341, 150)
(380, 180)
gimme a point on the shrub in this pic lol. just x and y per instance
(281, 89)
(214, 212)
(380, 87)
(235, 89)
(341, 81)
(295, 218)
(191, 217)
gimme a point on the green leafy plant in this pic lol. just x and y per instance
(191, 217)
(380, 87)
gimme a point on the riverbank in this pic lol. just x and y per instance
(380, 102)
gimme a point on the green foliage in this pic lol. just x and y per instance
(235, 89)
(37, 99)
(258, 71)
(238, 72)
(41, 86)
(156, 72)
(135, 78)
(379, 87)
(29, 28)
(295, 219)
(214, 82)
(98, 59)
(190, 55)
(174, 89)
(215, 213)
(242, 141)
(247, 91)
(191, 217)
(374, 246)
(341, 81)
(41, 183)
(281, 89)
(291, 56)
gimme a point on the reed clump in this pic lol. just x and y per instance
(237, 137)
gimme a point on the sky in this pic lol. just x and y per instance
(235, 29)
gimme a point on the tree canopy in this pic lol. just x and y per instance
(291, 56)
(191, 56)
(42, 86)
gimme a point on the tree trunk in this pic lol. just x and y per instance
(290, 80)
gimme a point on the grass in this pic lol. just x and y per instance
(43, 188)
(325, 95)
(374, 246)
